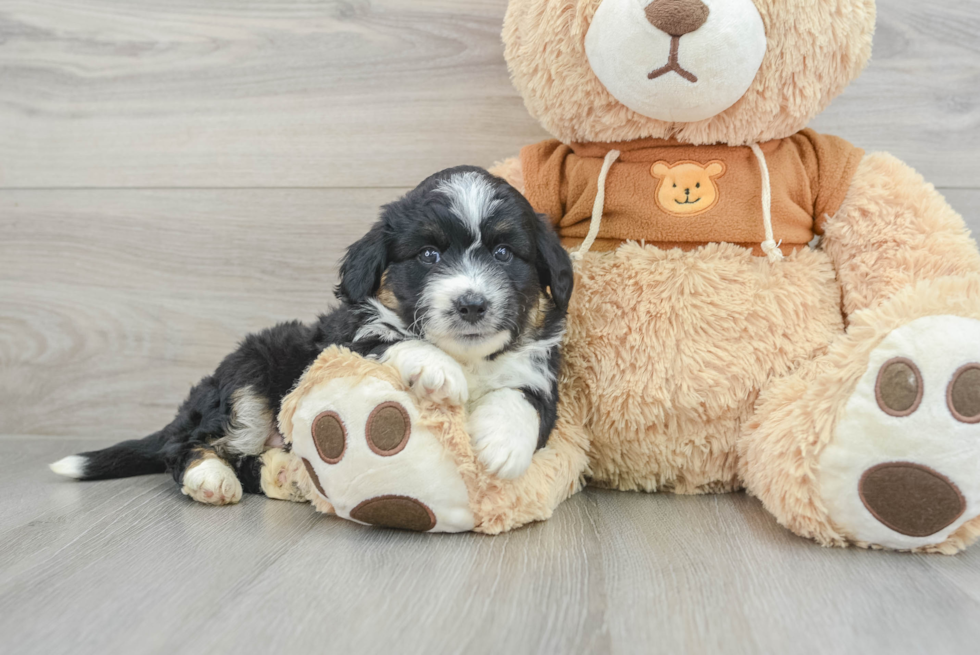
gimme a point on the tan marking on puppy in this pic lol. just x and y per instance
(284, 477)
(385, 295)
(537, 314)
(211, 480)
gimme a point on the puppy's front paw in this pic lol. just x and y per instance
(212, 481)
(283, 477)
(431, 373)
(504, 432)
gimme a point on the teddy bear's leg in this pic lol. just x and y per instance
(374, 453)
(877, 443)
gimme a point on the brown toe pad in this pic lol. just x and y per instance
(313, 477)
(963, 394)
(330, 437)
(388, 429)
(399, 512)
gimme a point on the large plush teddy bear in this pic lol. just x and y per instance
(757, 305)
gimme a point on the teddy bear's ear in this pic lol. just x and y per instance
(554, 264)
(363, 266)
(660, 169)
(715, 168)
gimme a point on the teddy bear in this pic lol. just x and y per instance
(757, 306)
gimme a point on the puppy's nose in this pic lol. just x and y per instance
(471, 307)
(677, 17)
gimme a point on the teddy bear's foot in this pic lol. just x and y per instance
(369, 454)
(903, 467)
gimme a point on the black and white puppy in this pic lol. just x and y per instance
(459, 285)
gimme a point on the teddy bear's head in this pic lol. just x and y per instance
(703, 71)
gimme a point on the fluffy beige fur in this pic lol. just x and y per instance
(815, 49)
(712, 369)
(498, 505)
(893, 230)
(795, 418)
(672, 348)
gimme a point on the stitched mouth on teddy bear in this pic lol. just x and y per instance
(688, 201)
(673, 66)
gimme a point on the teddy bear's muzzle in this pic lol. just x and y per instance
(910, 498)
(676, 18)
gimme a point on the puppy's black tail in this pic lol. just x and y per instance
(125, 459)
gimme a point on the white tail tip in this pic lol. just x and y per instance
(72, 466)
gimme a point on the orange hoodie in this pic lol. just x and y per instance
(671, 194)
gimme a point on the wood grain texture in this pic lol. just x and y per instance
(113, 303)
(236, 93)
(122, 93)
(175, 175)
(920, 97)
(131, 566)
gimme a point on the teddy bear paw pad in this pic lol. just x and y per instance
(903, 468)
(367, 451)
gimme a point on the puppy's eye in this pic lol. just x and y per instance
(503, 254)
(429, 255)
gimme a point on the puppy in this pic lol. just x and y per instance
(459, 285)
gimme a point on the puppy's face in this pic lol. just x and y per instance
(465, 263)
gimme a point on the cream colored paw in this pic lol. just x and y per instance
(430, 372)
(283, 477)
(212, 481)
(367, 452)
(504, 430)
(903, 469)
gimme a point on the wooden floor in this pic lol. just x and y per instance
(176, 174)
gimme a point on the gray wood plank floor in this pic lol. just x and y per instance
(130, 566)
(174, 175)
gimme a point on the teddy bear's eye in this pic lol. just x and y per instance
(675, 185)
(697, 186)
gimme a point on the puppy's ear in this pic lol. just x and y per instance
(554, 264)
(363, 266)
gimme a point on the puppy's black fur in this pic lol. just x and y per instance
(383, 281)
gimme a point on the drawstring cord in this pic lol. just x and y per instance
(769, 246)
(597, 207)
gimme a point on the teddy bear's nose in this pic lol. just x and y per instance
(677, 17)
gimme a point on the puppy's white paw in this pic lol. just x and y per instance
(504, 431)
(212, 481)
(431, 373)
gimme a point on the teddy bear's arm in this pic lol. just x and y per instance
(894, 230)
(510, 170)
